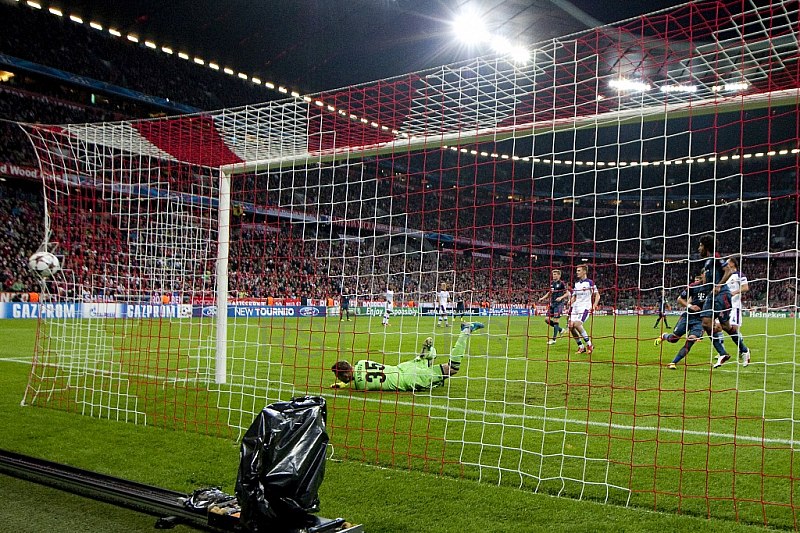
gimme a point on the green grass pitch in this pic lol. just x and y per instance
(615, 426)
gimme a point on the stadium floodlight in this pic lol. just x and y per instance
(34, 5)
(678, 88)
(150, 44)
(228, 71)
(114, 32)
(470, 28)
(56, 12)
(199, 61)
(503, 46)
(75, 18)
(242, 75)
(183, 55)
(736, 86)
(520, 54)
(629, 85)
(96, 26)
(166, 50)
(133, 38)
(257, 81)
(213, 66)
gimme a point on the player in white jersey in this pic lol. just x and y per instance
(585, 298)
(443, 297)
(387, 310)
(738, 285)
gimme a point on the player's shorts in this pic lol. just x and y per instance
(460, 307)
(680, 328)
(424, 378)
(556, 310)
(389, 307)
(442, 308)
(345, 305)
(718, 306)
(579, 314)
(736, 317)
(695, 325)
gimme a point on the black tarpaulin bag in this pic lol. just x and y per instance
(282, 463)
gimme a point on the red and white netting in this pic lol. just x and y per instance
(615, 148)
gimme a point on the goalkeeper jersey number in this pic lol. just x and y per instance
(408, 376)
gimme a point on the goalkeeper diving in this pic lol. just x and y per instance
(418, 374)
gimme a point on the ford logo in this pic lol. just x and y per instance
(209, 311)
(309, 311)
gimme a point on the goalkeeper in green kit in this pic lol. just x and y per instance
(418, 374)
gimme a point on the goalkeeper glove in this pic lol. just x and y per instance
(428, 351)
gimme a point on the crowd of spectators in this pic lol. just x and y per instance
(21, 215)
(284, 259)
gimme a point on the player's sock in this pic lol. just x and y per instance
(459, 350)
(719, 346)
(683, 351)
(585, 337)
(737, 338)
(670, 337)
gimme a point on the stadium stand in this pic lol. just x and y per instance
(63, 44)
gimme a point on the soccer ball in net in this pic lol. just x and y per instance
(44, 264)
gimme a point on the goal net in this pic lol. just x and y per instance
(215, 263)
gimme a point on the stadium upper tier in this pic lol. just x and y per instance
(57, 42)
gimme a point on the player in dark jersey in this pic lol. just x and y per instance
(558, 296)
(344, 305)
(718, 305)
(460, 310)
(690, 323)
(662, 309)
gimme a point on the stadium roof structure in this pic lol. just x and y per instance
(691, 59)
(317, 45)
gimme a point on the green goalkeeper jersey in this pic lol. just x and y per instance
(416, 374)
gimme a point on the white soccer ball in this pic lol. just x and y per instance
(44, 264)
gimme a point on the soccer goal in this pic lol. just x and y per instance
(214, 263)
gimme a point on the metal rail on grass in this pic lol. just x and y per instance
(138, 496)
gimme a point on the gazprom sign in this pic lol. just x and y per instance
(92, 310)
(108, 310)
